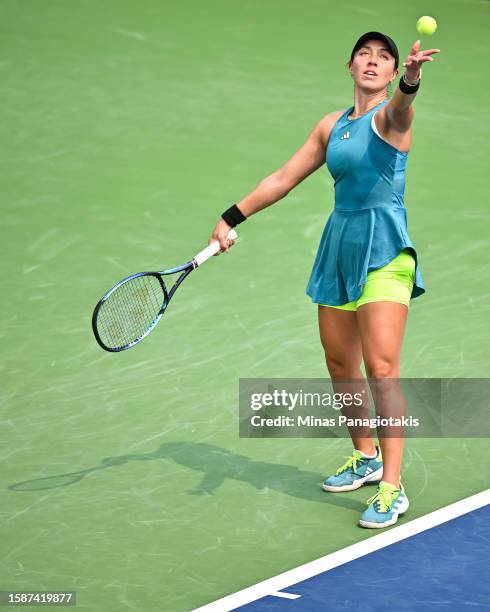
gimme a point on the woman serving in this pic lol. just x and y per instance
(366, 269)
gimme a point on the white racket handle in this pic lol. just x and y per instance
(212, 249)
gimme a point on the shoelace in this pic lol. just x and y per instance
(351, 462)
(384, 497)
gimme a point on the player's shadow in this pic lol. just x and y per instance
(216, 465)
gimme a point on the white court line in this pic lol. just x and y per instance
(285, 595)
(313, 568)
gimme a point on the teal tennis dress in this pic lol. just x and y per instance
(368, 226)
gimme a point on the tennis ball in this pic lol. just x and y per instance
(426, 25)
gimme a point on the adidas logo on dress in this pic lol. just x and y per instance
(345, 136)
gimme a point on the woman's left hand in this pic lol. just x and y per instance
(415, 60)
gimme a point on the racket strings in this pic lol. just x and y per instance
(130, 311)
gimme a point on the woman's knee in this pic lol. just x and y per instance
(342, 361)
(382, 368)
(342, 368)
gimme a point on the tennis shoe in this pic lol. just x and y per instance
(356, 471)
(384, 507)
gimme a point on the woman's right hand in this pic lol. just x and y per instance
(219, 233)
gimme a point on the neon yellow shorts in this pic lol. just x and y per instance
(391, 283)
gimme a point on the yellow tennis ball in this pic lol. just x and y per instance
(426, 25)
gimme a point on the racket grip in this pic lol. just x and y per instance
(212, 249)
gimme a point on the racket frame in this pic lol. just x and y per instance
(186, 269)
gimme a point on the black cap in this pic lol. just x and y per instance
(390, 43)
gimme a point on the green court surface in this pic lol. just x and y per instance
(127, 129)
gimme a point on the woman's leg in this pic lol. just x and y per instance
(341, 342)
(381, 328)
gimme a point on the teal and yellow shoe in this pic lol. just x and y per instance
(355, 472)
(385, 507)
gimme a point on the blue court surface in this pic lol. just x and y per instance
(443, 565)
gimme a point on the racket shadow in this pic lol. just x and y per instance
(216, 464)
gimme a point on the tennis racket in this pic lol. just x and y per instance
(131, 309)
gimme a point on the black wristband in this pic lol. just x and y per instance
(406, 88)
(233, 216)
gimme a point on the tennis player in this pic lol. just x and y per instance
(366, 269)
